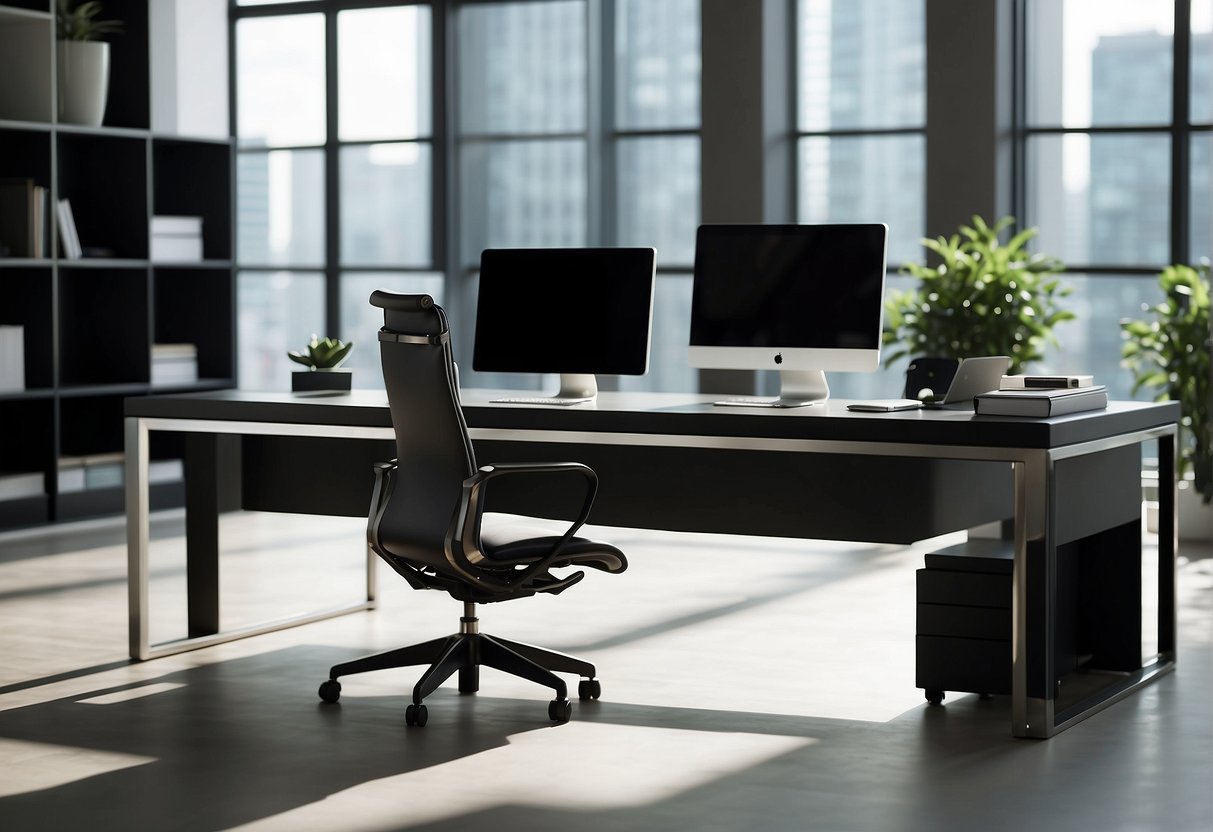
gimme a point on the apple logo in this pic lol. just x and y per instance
(778, 358)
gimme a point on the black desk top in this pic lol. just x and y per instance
(681, 414)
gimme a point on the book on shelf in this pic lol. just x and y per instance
(165, 470)
(12, 358)
(175, 239)
(69, 240)
(1022, 381)
(174, 363)
(91, 471)
(1040, 402)
(23, 484)
(23, 218)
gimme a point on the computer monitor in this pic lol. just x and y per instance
(578, 312)
(799, 299)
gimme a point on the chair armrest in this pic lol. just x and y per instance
(464, 534)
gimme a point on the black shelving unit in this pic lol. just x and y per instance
(89, 324)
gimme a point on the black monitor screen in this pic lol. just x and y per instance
(564, 310)
(788, 286)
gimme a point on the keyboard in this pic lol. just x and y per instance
(541, 400)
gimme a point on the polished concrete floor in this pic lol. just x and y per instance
(748, 684)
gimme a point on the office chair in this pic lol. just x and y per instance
(428, 522)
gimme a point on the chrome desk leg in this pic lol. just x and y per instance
(137, 533)
(1032, 640)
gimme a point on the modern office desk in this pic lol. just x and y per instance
(1070, 484)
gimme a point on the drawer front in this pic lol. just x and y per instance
(964, 622)
(972, 665)
(940, 586)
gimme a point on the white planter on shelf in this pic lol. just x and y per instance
(84, 71)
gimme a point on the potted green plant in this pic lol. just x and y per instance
(1168, 352)
(322, 357)
(83, 60)
(982, 297)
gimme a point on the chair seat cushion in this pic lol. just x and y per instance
(514, 538)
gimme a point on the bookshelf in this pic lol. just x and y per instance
(89, 324)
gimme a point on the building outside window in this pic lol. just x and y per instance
(347, 181)
(1116, 159)
(861, 121)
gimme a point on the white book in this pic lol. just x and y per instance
(68, 238)
(15, 486)
(176, 249)
(1029, 381)
(12, 358)
(176, 225)
(165, 470)
(106, 475)
(71, 474)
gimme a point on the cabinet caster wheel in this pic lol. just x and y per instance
(935, 696)
(416, 715)
(560, 710)
(330, 691)
(589, 689)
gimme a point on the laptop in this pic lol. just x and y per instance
(973, 376)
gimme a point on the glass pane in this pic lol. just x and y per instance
(659, 196)
(383, 77)
(669, 371)
(1201, 229)
(862, 64)
(386, 205)
(1101, 199)
(277, 312)
(1202, 61)
(280, 80)
(522, 194)
(1099, 62)
(1091, 342)
(522, 67)
(867, 179)
(657, 63)
(280, 208)
(360, 322)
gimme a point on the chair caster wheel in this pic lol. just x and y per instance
(560, 710)
(416, 715)
(330, 691)
(934, 696)
(589, 689)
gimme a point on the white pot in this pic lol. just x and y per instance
(84, 77)
(1195, 516)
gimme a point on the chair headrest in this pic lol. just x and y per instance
(401, 303)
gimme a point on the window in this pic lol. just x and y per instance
(1116, 158)
(346, 179)
(861, 122)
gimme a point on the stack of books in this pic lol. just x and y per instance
(24, 219)
(1042, 396)
(12, 358)
(176, 239)
(85, 473)
(174, 363)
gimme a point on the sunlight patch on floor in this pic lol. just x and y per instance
(45, 766)
(584, 767)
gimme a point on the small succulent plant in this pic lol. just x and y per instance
(322, 353)
(78, 21)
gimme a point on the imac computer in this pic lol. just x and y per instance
(578, 312)
(799, 299)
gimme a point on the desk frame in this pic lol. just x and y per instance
(1033, 520)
